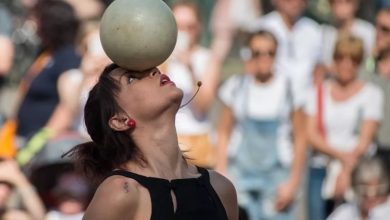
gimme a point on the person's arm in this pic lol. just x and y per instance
(116, 198)
(287, 191)
(227, 194)
(6, 55)
(319, 143)
(225, 127)
(69, 87)
(60, 120)
(210, 80)
(367, 133)
(10, 172)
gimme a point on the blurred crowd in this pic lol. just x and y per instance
(294, 105)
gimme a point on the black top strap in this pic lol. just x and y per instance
(217, 201)
(204, 173)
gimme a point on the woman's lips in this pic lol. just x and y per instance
(164, 79)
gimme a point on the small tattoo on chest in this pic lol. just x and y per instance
(126, 187)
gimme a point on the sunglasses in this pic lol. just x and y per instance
(341, 1)
(341, 57)
(259, 53)
(363, 190)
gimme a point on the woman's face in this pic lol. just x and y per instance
(346, 67)
(145, 97)
(263, 52)
(343, 9)
(187, 23)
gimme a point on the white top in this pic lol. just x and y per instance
(299, 49)
(55, 215)
(187, 121)
(263, 101)
(342, 119)
(360, 28)
(351, 212)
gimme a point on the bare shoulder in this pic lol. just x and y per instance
(226, 192)
(115, 198)
(221, 183)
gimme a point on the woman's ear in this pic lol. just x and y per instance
(118, 123)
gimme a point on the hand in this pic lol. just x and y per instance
(349, 160)
(343, 182)
(10, 172)
(285, 195)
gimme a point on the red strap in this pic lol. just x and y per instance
(320, 110)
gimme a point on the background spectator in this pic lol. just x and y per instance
(345, 22)
(57, 29)
(190, 63)
(299, 42)
(343, 117)
(13, 180)
(254, 135)
(370, 183)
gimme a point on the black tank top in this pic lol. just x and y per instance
(195, 197)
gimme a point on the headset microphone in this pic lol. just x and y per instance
(199, 84)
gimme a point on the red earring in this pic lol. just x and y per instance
(131, 123)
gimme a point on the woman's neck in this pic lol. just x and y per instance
(263, 78)
(345, 85)
(341, 91)
(160, 151)
(344, 26)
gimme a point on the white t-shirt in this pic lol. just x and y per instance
(55, 215)
(351, 212)
(248, 98)
(360, 28)
(187, 121)
(342, 119)
(299, 49)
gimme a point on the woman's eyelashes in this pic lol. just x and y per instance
(131, 78)
(155, 72)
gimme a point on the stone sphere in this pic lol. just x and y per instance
(138, 34)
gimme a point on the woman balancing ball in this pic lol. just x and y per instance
(134, 153)
(138, 34)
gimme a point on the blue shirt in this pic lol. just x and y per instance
(42, 96)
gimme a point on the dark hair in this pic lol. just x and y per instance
(109, 148)
(57, 23)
